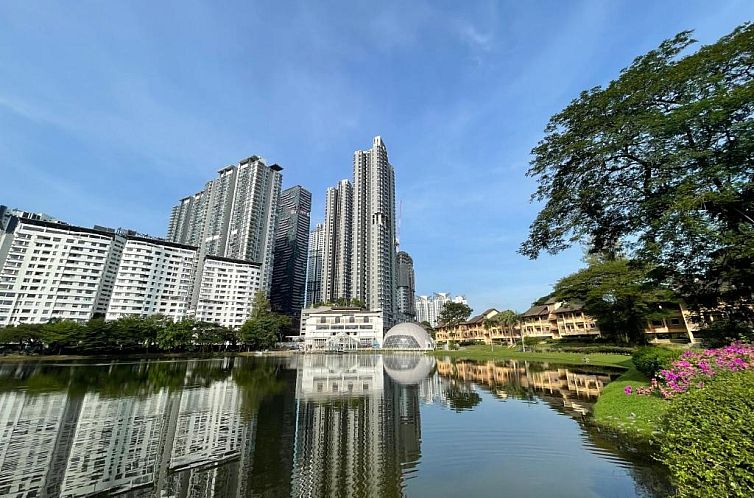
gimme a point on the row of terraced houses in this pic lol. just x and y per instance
(557, 320)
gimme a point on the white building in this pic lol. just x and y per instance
(428, 308)
(55, 271)
(341, 328)
(225, 290)
(234, 215)
(154, 277)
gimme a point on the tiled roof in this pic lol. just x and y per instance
(480, 317)
(540, 310)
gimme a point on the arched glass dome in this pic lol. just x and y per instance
(408, 336)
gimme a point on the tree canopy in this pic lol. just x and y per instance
(265, 327)
(618, 294)
(659, 164)
(453, 314)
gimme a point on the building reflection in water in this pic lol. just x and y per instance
(577, 389)
(358, 429)
(311, 425)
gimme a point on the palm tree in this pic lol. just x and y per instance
(508, 319)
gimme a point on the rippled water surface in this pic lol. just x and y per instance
(311, 425)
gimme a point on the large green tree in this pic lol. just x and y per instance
(264, 327)
(619, 294)
(453, 314)
(659, 164)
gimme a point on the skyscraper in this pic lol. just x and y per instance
(314, 267)
(428, 308)
(234, 215)
(291, 245)
(336, 256)
(405, 287)
(373, 240)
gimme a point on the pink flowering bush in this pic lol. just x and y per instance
(694, 367)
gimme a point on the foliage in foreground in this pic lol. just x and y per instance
(695, 368)
(649, 360)
(707, 438)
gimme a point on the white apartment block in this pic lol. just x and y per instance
(341, 328)
(55, 271)
(428, 308)
(50, 270)
(225, 290)
(234, 216)
(154, 277)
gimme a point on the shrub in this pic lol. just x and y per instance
(722, 332)
(650, 360)
(532, 341)
(707, 438)
(694, 368)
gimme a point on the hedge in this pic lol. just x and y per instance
(650, 360)
(707, 438)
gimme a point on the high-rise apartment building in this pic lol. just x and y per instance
(336, 256)
(234, 216)
(358, 252)
(314, 267)
(428, 308)
(55, 271)
(373, 240)
(290, 255)
(405, 287)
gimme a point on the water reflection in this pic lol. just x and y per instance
(306, 425)
(577, 388)
(356, 430)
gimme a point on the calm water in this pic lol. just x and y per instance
(313, 425)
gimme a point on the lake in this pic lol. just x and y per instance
(311, 425)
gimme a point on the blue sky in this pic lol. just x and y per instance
(112, 111)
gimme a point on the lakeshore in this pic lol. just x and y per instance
(635, 417)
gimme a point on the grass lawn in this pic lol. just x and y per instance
(481, 352)
(637, 416)
(632, 414)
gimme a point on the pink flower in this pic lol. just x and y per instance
(627, 390)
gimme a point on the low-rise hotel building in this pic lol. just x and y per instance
(341, 328)
(475, 329)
